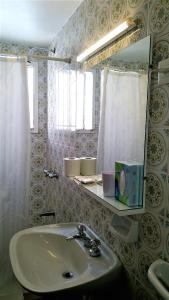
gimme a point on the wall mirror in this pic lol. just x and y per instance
(124, 86)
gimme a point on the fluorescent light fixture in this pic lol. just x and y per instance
(109, 37)
(8, 56)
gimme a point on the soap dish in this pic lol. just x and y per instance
(125, 228)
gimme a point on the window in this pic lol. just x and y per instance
(74, 100)
(32, 74)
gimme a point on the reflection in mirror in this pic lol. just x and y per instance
(122, 128)
(124, 84)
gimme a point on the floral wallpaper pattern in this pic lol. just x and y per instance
(90, 22)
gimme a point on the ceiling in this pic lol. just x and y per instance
(34, 22)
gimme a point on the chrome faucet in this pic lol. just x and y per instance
(94, 250)
(81, 229)
(92, 244)
(81, 233)
(51, 173)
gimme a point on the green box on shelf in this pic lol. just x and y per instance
(129, 183)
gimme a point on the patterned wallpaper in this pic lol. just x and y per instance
(91, 20)
(39, 140)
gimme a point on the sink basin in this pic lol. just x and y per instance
(158, 274)
(43, 261)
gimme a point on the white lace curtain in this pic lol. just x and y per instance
(122, 120)
(14, 156)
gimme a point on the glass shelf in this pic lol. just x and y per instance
(96, 191)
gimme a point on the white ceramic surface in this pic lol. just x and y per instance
(158, 274)
(40, 255)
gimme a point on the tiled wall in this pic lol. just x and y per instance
(39, 140)
(91, 20)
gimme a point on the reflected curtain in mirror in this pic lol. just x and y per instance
(122, 119)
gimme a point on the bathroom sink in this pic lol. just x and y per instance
(158, 274)
(44, 261)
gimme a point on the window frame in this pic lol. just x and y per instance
(84, 130)
(79, 131)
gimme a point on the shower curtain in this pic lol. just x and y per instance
(14, 156)
(122, 119)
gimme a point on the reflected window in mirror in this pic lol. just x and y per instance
(124, 84)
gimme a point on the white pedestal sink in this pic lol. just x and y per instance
(43, 261)
(158, 274)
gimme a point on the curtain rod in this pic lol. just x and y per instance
(38, 57)
(118, 69)
(138, 71)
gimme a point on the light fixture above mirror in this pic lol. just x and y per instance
(117, 32)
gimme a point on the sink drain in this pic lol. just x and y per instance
(67, 275)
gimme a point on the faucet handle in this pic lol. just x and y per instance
(81, 228)
(53, 174)
(94, 250)
(87, 242)
(95, 243)
(46, 171)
